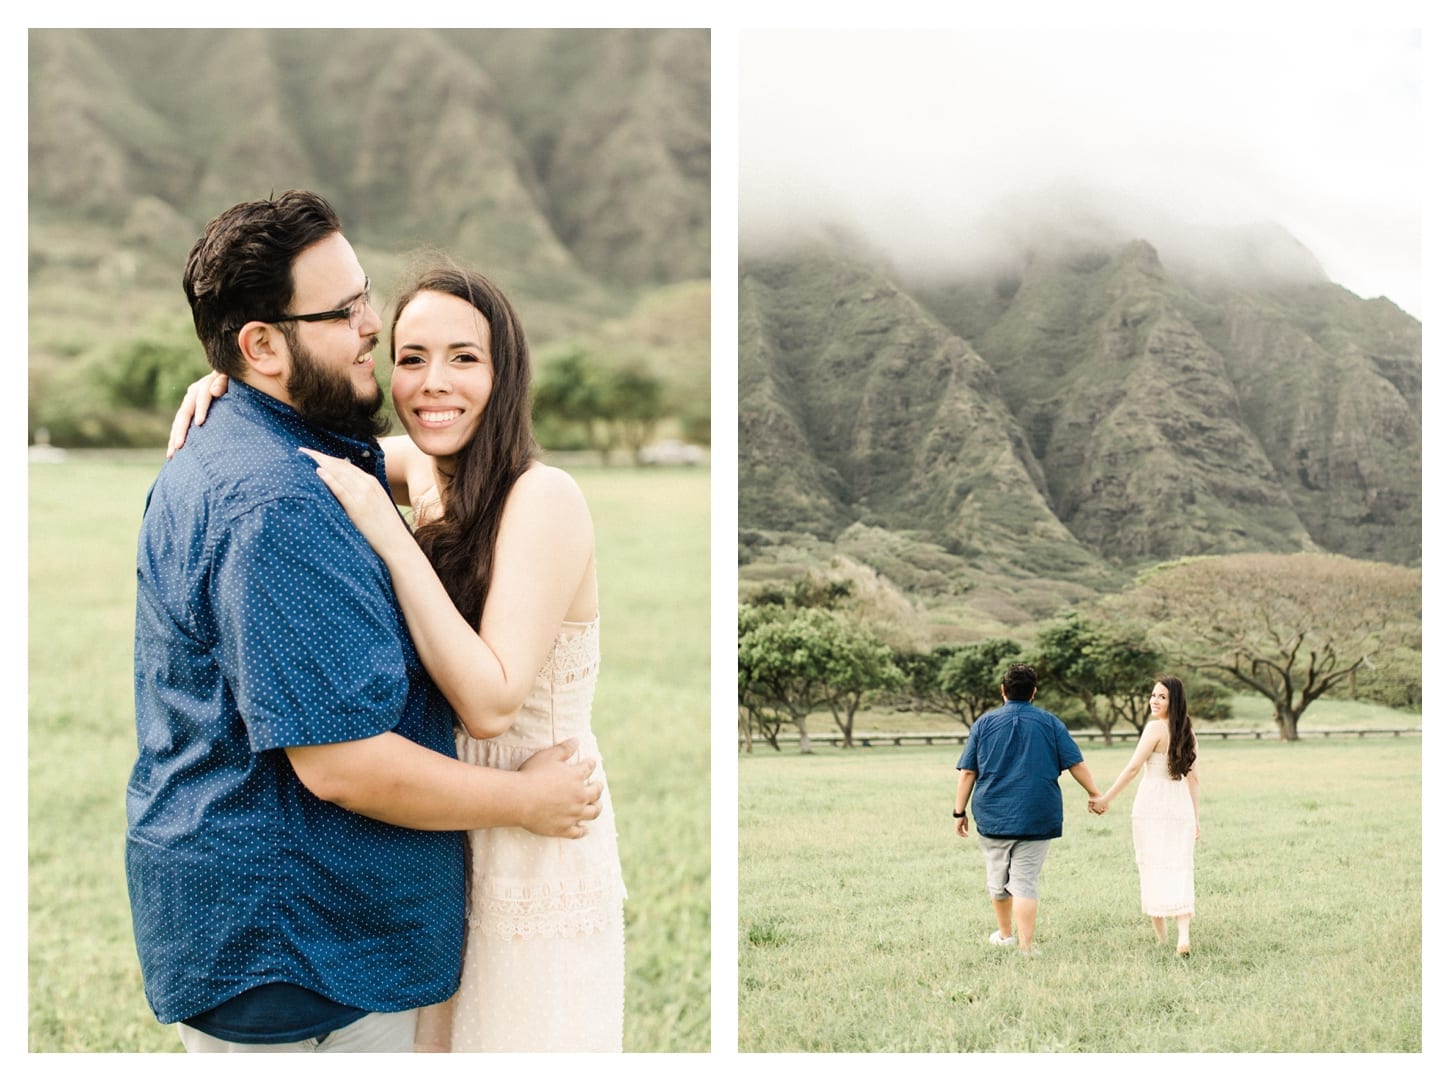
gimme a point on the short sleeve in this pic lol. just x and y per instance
(968, 759)
(311, 636)
(1068, 752)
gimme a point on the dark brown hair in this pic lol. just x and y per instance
(460, 542)
(241, 267)
(1181, 742)
(1019, 683)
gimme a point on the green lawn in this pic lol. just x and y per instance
(652, 715)
(863, 918)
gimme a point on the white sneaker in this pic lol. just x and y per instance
(996, 939)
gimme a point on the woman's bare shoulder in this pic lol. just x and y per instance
(550, 487)
(548, 504)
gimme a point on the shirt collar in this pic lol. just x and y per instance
(361, 452)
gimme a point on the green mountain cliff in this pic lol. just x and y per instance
(1080, 412)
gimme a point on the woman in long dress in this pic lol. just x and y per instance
(498, 588)
(1165, 810)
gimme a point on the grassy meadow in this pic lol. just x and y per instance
(651, 714)
(863, 918)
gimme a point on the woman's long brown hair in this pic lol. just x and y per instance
(1181, 743)
(460, 542)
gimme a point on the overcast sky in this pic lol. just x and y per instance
(912, 134)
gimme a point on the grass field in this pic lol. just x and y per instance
(651, 713)
(863, 918)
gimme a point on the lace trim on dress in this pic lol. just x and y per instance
(575, 655)
(518, 891)
(544, 910)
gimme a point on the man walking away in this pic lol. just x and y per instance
(1008, 771)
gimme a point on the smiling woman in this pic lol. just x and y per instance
(499, 592)
(443, 374)
(475, 361)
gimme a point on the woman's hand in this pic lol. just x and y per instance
(1098, 804)
(366, 501)
(194, 407)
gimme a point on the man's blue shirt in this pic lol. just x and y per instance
(1017, 753)
(265, 621)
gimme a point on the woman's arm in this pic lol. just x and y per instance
(1152, 732)
(194, 407)
(401, 458)
(543, 561)
(543, 574)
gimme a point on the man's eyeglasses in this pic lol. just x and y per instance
(353, 312)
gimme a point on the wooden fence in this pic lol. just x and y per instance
(928, 739)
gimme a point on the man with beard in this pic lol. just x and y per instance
(292, 853)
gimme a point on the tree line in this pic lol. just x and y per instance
(126, 396)
(1289, 628)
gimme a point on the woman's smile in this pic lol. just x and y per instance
(442, 372)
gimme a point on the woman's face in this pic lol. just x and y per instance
(442, 372)
(1158, 701)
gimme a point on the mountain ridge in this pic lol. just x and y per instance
(1080, 413)
(409, 133)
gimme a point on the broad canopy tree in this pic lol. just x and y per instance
(773, 684)
(792, 662)
(610, 407)
(921, 690)
(857, 663)
(1288, 627)
(972, 676)
(961, 682)
(1108, 670)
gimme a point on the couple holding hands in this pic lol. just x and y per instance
(1008, 774)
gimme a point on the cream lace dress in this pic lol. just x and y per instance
(543, 967)
(1163, 840)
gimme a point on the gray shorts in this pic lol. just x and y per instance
(370, 1032)
(1012, 866)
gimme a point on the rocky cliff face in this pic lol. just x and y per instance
(1091, 406)
(857, 406)
(1330, 387)
(581, 158)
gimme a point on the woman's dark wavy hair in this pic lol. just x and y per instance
(1181, 752)
(241, 267)
(460, 542)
